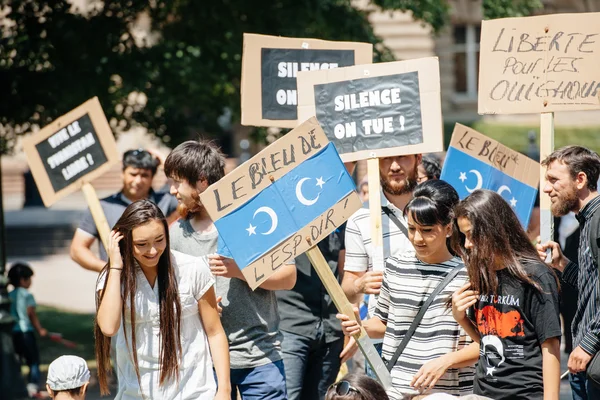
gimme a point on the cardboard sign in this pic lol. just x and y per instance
(475, 161)
(264, 210)
(74, 149)
(540, 64)
(376, 110)
(269, 68)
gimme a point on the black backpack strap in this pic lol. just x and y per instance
(395, 220)
(413, 327)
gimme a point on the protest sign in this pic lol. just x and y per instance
(376, 110)
(282, 203)
(540, 64)
(74, 149)
(475, 161)
(269, 68)
(295, 188)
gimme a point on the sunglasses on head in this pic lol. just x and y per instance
(137, 153)
(343, 388)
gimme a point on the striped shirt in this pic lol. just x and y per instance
(359, 248)
(584, 276)
(407, 284)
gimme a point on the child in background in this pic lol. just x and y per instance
(68, 378)
(22, 309)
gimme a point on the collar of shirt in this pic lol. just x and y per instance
(386, 203)
(121, 196)
(587, 211)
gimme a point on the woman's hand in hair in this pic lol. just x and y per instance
(114, 251)
(462, 299)
(350, 326)
(429, 374)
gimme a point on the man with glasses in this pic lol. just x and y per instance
(139, 168)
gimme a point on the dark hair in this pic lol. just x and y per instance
(431, 166)
(195, 161)
(578, 159)
(71, 392)
(140, 158)
(433, 203)
(18, 271)
(136, 214)
(498, 239)
(368, 388)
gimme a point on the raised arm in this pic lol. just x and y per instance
(109, 309)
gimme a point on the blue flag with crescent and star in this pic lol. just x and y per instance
(283, 208)
(475, 161)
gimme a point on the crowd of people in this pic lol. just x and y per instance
(463, 305)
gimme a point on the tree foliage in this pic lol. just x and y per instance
(186, 77)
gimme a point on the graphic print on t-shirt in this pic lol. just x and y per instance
(494, 326)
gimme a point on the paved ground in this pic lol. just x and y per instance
(60, 282)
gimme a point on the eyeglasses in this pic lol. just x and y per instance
(343, 388)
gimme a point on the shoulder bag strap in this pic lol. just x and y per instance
(413, 327)
(395, 220)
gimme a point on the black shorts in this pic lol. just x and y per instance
(26, 347)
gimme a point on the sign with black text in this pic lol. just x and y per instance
(376, 110)
(269, 68)
(540, 64)
(76, 147)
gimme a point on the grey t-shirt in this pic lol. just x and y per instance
(250, 318)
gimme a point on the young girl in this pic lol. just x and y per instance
(408, 282)
(516, 303)
(160, 306)
(22, 309)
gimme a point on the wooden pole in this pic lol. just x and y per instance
(97, 213)
(343, 305)
(546, 147)
(375, 211)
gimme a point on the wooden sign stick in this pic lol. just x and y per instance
(546, 147)
(97, 213)
(343, 305)
(375, 211)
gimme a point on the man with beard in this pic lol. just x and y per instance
(139, 168)
(398, 177)
(250, 318)
(572, 175)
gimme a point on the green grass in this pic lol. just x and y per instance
(76, 327)
(516, 136)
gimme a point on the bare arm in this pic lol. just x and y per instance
(81, 253)
(355, 284)
(217, 340)
(349, 287)
(283, 279)
(35, 321)
(551, 368)
(109, 310)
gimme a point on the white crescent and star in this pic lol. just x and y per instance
(273, 215)
(504, 188)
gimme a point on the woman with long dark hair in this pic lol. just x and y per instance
(515, 299)
(429, 363)
(160, 307)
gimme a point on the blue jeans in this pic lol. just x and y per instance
(368, 370)
(264, 382)
(311, 364)
(582, 388)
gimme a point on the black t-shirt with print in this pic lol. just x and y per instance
(513, 324)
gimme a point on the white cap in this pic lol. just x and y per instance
(67, 372)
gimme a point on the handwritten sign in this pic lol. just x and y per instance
(376, 110)
(270, 65)
(264, 210)
(75, 148)
(475, 161)
(540, 64)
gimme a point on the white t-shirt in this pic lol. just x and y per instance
(196, 379)
(359, 248)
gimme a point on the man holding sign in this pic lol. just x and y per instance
(250, 318)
